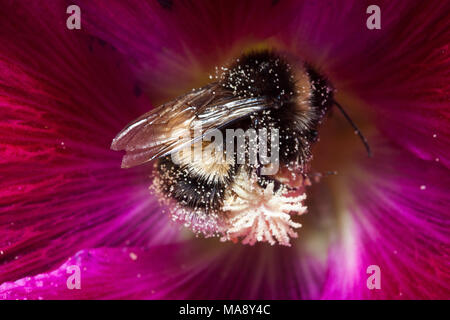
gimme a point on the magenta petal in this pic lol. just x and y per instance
(177, 271)
(105, 273)
(63, 97)
(399, 221)
(175, 49)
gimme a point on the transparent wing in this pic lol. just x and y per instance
(170, 127)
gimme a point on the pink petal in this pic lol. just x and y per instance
(63, 97)
(178, 271)
(398, 220)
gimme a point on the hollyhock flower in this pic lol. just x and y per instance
(65, 201)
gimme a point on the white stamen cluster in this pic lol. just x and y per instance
(259, 214)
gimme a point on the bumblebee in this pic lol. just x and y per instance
(258, 90)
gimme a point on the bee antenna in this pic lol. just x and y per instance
(357, 131)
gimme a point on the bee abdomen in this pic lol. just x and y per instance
(190, 189)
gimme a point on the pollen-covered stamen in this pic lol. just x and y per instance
(259, 214)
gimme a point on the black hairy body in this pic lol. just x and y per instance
(189, 189)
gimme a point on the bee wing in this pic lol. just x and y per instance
(169, 128)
